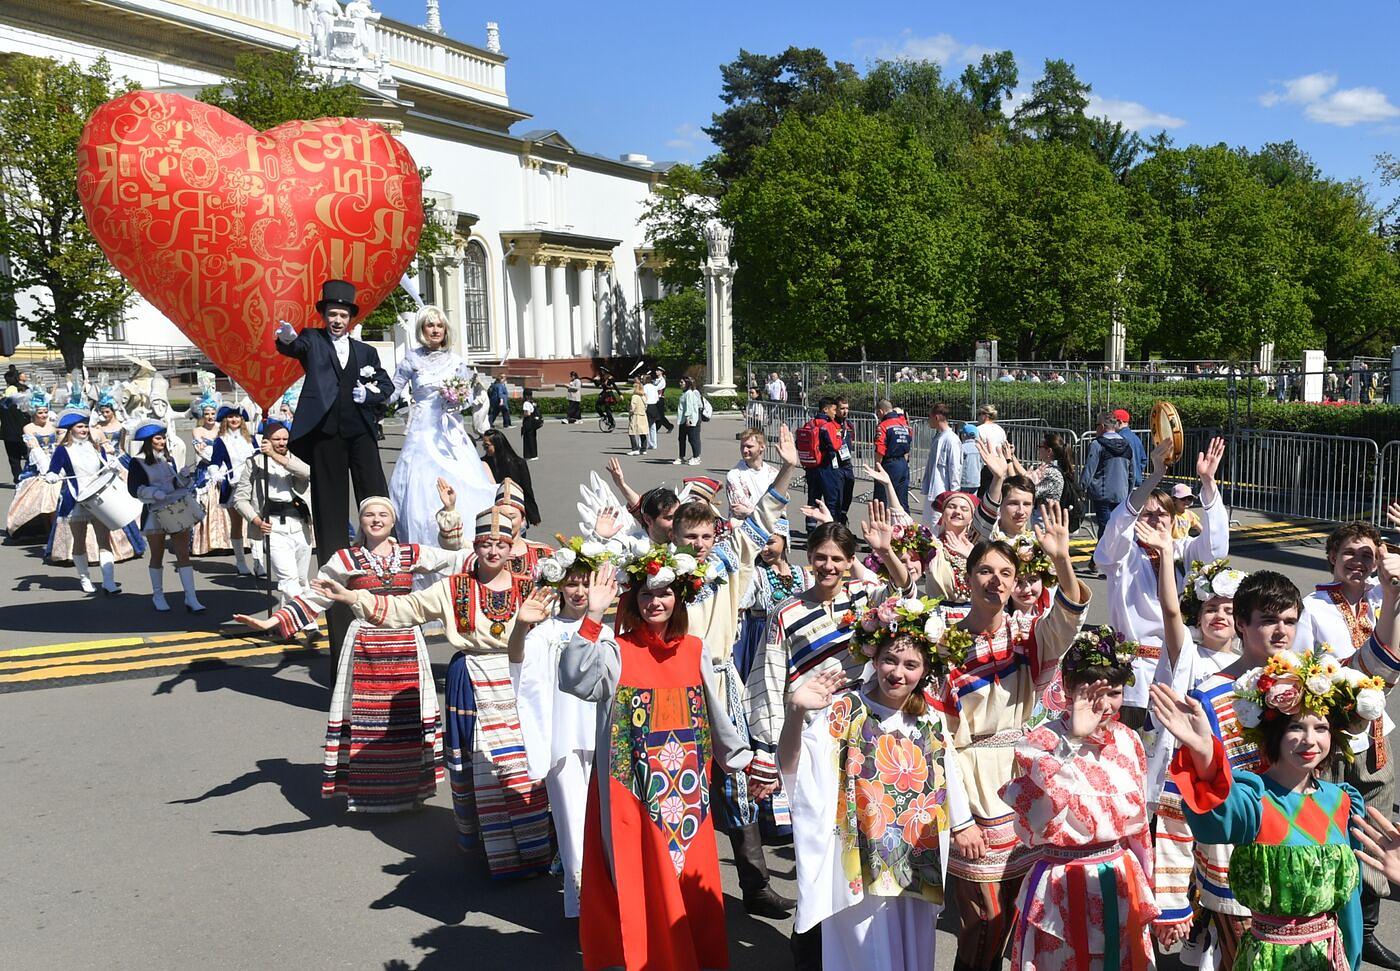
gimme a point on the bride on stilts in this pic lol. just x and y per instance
(436, 444)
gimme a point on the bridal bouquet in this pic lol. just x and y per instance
(458, 393)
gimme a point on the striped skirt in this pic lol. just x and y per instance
(493, 796)
(384, 734)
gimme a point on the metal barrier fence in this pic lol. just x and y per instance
(1321, 477)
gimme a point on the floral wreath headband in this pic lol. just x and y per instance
(913, 538)
(577, 553)
(1100, 647)
(1204, 582)
(1290, 684)
(666, 566)
(1031, 558)
(915, 618)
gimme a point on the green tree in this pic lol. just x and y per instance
(74, 292)
(849, 241)
(913, 95)
(1224, 275)
(1054, 110)
(988, 84)
(1058, 244)
(266, 90)
(674, 219)
(1116, 147)
(760, 90)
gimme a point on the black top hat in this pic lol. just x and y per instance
(338, 291)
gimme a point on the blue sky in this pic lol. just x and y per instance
(643, 77)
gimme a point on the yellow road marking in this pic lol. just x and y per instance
(53, 673)
(150, 652)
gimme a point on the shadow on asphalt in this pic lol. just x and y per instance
(259, 681)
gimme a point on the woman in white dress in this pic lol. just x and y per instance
(436, 442)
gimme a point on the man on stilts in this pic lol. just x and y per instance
(333, 428)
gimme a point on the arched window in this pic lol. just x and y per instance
(475, 310)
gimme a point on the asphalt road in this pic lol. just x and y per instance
(161, 788)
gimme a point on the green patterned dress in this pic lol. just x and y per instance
(1293, 865)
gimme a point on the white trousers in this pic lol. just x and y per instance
(567, 785)
(881, 934)
(291, 559)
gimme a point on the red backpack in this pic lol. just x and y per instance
(809, 442)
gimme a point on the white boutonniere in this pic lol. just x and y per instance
(366, 371)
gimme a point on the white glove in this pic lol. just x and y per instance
(158, 495)
(286, 333)
(51, 477)
(359, 394)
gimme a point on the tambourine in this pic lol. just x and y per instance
(1166, 426)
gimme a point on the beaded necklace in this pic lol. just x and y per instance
(782, 589)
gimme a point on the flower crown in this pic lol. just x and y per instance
(1289, 684)
(576, 553)
(1207, 580)
(916, 618)
(664, 566)
(1100, 647)
(1031, 558)
(915, 538)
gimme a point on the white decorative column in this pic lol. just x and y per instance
(605, 312)
(587, 310)
(1116, 345)
(539, 310)
(719, 310)
(559, 300)
(1266, 357)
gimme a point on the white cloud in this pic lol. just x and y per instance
(943, 49)
(1323, 103)
(687, 136)
(1133, 115)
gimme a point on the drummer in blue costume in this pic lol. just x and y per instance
(82, 463)
(157, 482)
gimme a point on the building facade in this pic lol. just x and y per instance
(547, 268)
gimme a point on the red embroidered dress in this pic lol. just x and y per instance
(651, 899)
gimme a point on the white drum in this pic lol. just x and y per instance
(178, 515)
(108, 502)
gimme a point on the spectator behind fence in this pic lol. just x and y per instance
(846, 457)
(777, 390)
(971, 471)
(1123, 422)
(753, 411)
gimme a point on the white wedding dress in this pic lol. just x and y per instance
(436, 443)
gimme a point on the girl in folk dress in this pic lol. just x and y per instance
(1078, 799)
(1294, 864)
(988, 699)
(492, 792)
(211, 534)
(558, 727)
(36, 493)
(773, 582)
(874, 788)
(956, 538)
(652, 897)
(233, 448)
(80, 460)
(384, 733)
(437, 442)
(156, 481)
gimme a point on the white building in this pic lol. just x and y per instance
(548, 267)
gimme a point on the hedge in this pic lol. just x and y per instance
(1201, 404)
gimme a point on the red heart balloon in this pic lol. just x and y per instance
(227, 230)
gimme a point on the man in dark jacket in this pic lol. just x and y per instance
(333, 429)
(1107, 476)
(499, 397)
(14, 415)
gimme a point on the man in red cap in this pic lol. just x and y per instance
(1138, 466)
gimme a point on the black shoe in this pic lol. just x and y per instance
(1376, 953)
(768, 903)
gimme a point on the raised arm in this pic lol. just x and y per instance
(1174, 632)
(787, 453)
(1213, 543)
(1156, 473)
(534, 609)
(1055, 630)
(879, 533)
(589, 666)
(289, 342)
(629, 495)
(814, 694)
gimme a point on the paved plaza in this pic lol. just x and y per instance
(161, 780)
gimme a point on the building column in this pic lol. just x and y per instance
(539, 311)
(587, 310)
(559, 299)
(605, 313)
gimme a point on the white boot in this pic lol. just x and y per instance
(158, 588)
(109, 566)
(240, 559)
(259, 566)
(80, 563)
(187, 581)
